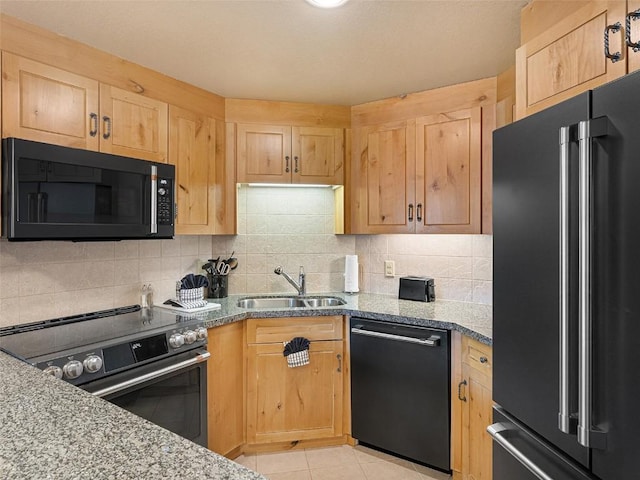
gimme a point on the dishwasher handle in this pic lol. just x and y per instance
(432, 341)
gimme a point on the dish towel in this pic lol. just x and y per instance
(297, 352)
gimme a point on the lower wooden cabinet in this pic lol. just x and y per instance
(291, 404)
(472, 410)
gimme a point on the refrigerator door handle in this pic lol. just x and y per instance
(566, 422)
(500, 432)
(587, 435)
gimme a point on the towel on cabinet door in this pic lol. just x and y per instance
(297, 352)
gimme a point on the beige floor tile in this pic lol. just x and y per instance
(430, 474)
(351, 471)
(330, 457)
(301, 475)
(281, 462)
(248, 460)
(369, 455)
(389, 471)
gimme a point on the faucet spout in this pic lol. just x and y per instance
(300, 285)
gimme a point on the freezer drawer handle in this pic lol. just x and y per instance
(500, 433)
(432, 341)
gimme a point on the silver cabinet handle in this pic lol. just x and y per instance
(432, 341)
(635, 46)
(154, 200)
(615, 28)
(411, 212)
(286, 168)
(460, 385)
(106, 125)
(296, 170)
(500, 433)
(201, 357)
(564, 414)
(339, 357)
(587, 435)
(93, 122)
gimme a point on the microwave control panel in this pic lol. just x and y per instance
(165, 202)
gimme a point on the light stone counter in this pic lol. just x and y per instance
(50, 429)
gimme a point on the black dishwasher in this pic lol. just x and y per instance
(400, 390)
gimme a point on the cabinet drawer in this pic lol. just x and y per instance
(477, 355)
(278, 330)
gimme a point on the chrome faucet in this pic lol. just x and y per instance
(300, 286)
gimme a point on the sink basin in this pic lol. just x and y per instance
(290, 302)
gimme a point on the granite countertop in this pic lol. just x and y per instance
(50, 429)
(471, 319)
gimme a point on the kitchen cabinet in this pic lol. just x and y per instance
(471, 444)
(421, 175)
(289, 154)
(569, 57)
(51, 105)
(291, 404)
(225, 389)
(192, 149)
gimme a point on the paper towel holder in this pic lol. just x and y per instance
(351, 273)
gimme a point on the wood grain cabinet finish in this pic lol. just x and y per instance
(569, 58)
(192, 149)
(291, 404)
(133, 125)
(448, 172)
(47, 104)
(421, 175)
(475, 396)
(286, 154)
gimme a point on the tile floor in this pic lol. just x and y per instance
(337, 463)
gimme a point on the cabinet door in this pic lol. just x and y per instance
(568, 58)
(263, 153)
(448, 172)
(133, 125)
(225, 388)
(383, 178)
(476, 417)
(318, 155)
(46, 104)
(289, 404)
(192, 149)
(633, 62)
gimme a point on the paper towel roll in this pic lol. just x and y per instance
(351, 273)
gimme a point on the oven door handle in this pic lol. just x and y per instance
(118, 387)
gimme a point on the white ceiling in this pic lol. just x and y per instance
(289, 50)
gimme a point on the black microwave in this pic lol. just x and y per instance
(51, 192)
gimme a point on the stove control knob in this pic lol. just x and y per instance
(190, 336)
(176, 340)
(92, 363)
(53, 371)
(201, 332)
(72, 369)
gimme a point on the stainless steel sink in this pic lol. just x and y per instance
(290, 302)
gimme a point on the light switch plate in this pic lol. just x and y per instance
(389, 268)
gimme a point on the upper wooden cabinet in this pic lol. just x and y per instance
(133, 125)
(448, 172)
(570, 56)
(419, 176)
(285, 154)
(47, 104)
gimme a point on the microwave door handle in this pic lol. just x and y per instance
(154, 200)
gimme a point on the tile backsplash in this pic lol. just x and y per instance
(276, 226)
(41, 280)
(293, 227)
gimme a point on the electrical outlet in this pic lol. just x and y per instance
(389, 268)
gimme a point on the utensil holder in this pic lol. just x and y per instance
(218, 286)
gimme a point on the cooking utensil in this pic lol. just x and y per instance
(224, 268)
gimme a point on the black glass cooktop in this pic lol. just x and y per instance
(96, 328)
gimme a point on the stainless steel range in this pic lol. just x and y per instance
(148, 361)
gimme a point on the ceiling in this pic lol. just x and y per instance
(288, 50)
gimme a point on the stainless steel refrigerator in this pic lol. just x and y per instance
(566, 192)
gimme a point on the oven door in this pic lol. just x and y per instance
(171, 393)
